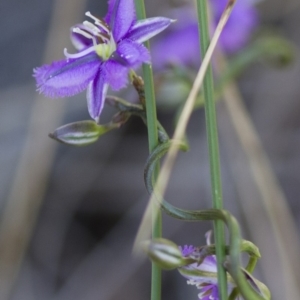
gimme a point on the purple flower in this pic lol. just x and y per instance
(107, 49)
(203, 276)
(180, 44)
(240, 26)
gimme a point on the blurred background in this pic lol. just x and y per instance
(69, 215)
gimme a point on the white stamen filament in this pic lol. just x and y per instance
(104, 38)
(79, 54)
(87, 29)
(97, 22)
(85, 34)
(99, 34)
(94, 28)
(82, 32)
(103, 47)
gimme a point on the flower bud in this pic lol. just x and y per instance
(257, 285)
(164, 252)
(80, 133)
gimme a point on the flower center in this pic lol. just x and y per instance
(101, 36)
(105, 50)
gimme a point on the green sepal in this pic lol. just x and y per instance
(257, 285)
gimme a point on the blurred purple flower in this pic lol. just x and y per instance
(240, 26)
(180, 44)
(107, 49)
(206, 283)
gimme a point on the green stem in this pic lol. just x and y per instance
(213, 146)
(153, 142)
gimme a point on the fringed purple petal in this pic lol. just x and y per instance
(121, 18)
(205, 291)
(143, 30)
(79, 41)
(209, 292)
(110, 9)
(96, 94)
(209, 264)
(215, 293)
(116, 75)
(66, 78)
(133, 54)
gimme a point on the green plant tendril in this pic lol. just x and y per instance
(234, 266)
(236, 244)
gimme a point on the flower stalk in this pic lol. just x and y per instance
(213, 146)
(153, 142)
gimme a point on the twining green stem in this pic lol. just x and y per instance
(153, 141)
(213, 146)
(236, 245)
